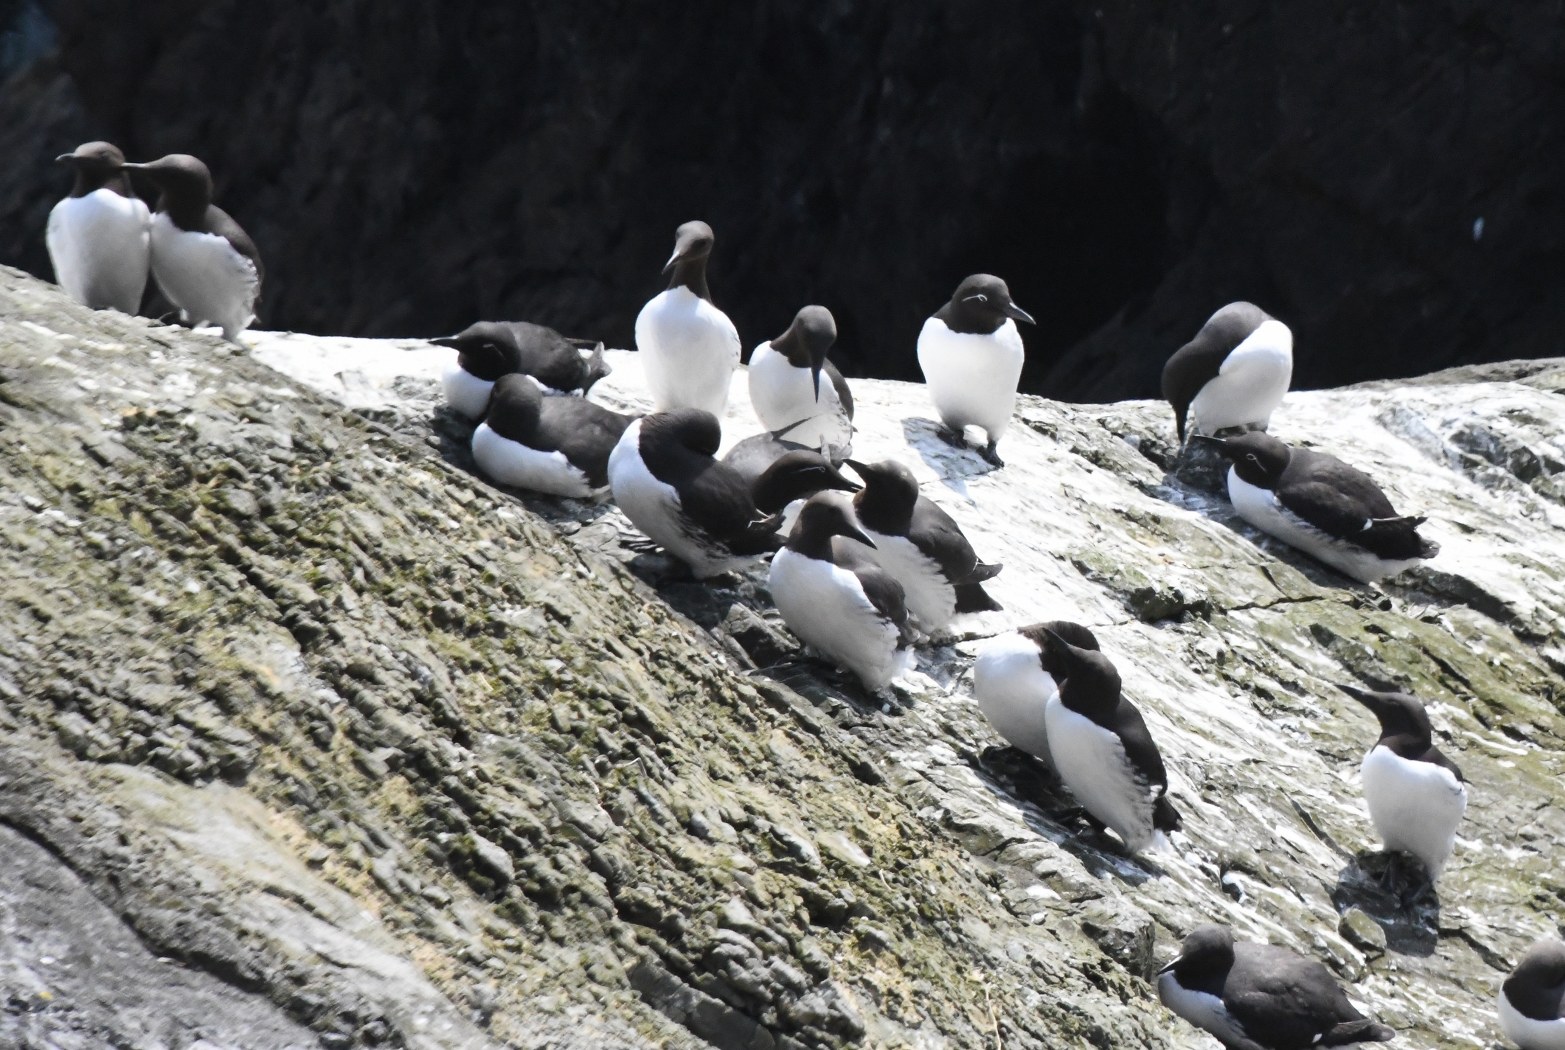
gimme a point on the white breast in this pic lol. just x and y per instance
(1261, 508)
(1013, 691)
(1092, 763)
(653, 507)
(972, 378)
(204, 276)
(1251, 383)
(1416, 806)
(930, 597)
(784, 396)
(1527, 1032)
(691, 349)
(99, 244)
(465, 392)
(513, 463)
(826, 607)
(1202, 1009)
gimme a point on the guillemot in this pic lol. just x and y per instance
(99, 236)
(556, 445)
(1234, 373)
(690, 348)
(787, 391)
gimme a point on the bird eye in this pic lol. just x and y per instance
(1253, 458)
(979, 297)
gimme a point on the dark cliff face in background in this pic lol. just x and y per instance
(406, 171)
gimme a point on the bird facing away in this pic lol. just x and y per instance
(1532, 998)
(1260, 996)
(1101, 747)
(99, 236)
(971, 355)
(836, 599)
(700, 510)
(203, 261)
(787, 392)
(921, 545)
(1318, 504)
(689, 347)
(490, 349)
(1016, 675)
(1416, 795)
(1234, 373)
(559, 446)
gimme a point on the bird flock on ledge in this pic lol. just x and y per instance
(864, 579)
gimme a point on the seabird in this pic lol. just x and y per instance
(1322, 506)
(795, 476)
(1234, 373)
(1101, 747)
(921, 545)
(1260, 996)
(1015, 676)
(203, 261)
(689, 347)
(665, 480)
(1532, 998)
(838, 600)
(787, 392)
(971, 355)
(1416, 795)
(490, 349)
(99, 236)
(555, 445)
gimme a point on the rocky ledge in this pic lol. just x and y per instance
(311, 737)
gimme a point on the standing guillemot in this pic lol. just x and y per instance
(689, 347)
(838, 600)
(786, 388)
(1101, 747)
(1322, 506)
(971, 355)
(490, 349)
(1415, 794)
(1532, 998)
(1234, 373)
(1016, 675)
(921, 545)
(203, 261)
(665, 480)
(99, 237)
(555, 445)
(1260, 996)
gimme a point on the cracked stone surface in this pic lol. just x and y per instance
(388, 756)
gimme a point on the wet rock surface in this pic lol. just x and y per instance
(380, 753)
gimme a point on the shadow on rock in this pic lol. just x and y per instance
(952, 464)
(1403, 903)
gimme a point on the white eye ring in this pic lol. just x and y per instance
(1253, 458)
(981, 297)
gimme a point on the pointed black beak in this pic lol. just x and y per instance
(672, 259)
(815, 374)
(65, 158)
(1012, 310)
(1363, 696)
(450, 341)
(853, 532)
(1170, 967)
(864, 470)
(839, 482)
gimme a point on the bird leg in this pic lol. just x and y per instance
(953, 436)
(991, 456)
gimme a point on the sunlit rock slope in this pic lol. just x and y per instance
(371, 753)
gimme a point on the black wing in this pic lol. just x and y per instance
(594, 432)
(717, 501)
(221, 223)
(937, 534)
(1288, 1000)
(830, 371)
(880, 587)
(1144, 756)
(1350, 506)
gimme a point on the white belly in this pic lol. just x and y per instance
(690, 350)
(1092, 763)
(930, 597)
(1260, 508)
(1527, 1032)
(654, 507)
(465, 392)
(203, 276)
(826, 607)
(1251, 384)
(972, 378)
(1416, 806)
(784, 396)
(100, 245)
(1202, 1009)
(513, 463)
(1013, 691)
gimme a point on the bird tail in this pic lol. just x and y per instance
(971, 597)
(1164, 816)
(1361, 1031)
(1397, 537)
(982, 572)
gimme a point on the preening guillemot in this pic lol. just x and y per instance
(690, 348)
(1320, 505)
(99, 236)
(490, 349)
(1234, 373)
(971, 355)
(1015, 676)
(203, 261)
(555, 445)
